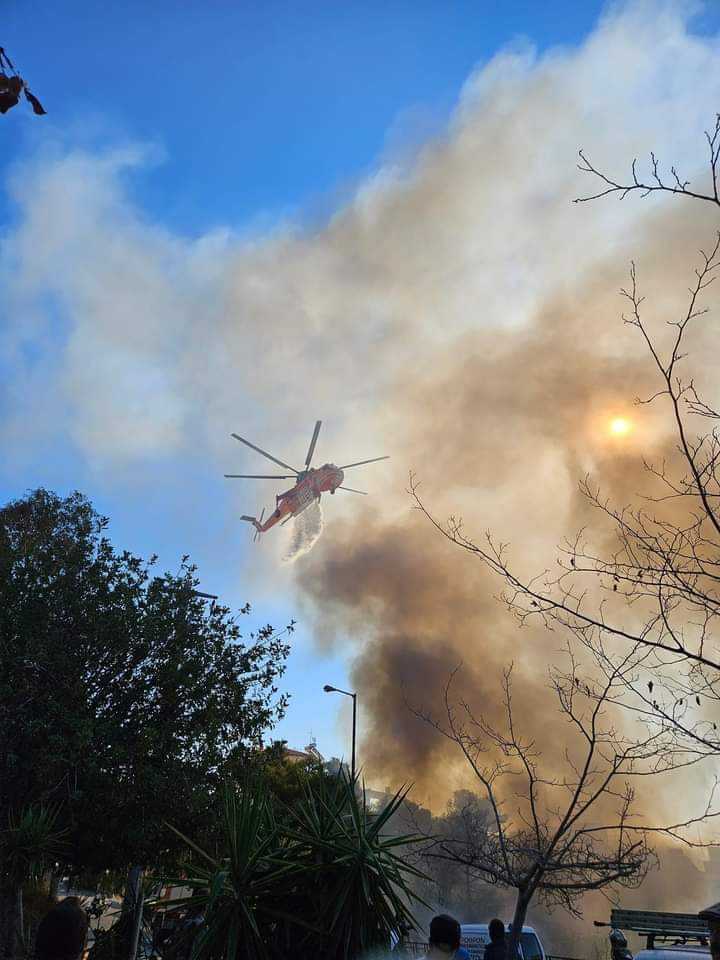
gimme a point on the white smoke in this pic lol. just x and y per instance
(305, 531)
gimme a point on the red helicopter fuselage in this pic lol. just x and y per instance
(311, 484)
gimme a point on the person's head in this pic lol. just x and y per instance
(496, 929)
(444, 933)
(62, 932)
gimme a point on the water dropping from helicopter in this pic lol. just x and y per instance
(304, 533)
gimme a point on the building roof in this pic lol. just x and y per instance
(310, 752)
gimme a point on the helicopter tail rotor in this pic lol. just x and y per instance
(256, 523)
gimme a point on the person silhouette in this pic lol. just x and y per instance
(62, 932)
(444, 942)
(497, 948)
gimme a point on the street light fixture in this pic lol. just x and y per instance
(205, 596)
(328, 689)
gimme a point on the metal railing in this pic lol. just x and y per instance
(655, 923)
(675, 928)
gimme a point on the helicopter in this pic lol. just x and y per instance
(309, 484)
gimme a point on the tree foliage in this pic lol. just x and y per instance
(123, 695)
(28, 844)
(285, 779)
(449, 885)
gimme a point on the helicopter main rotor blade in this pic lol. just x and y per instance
(346, 466)
(260, 476)
(311, 450)
(264, 453)
(350, 490)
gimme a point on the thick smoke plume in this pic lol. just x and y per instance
(499, 429)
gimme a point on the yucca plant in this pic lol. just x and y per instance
(357, 883)
(319, 880)
(243, 895)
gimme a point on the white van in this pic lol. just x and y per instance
(474, 936)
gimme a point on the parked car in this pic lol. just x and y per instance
(474, 936)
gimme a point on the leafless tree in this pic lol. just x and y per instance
(563, 820)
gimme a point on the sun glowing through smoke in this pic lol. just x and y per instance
(620, 426)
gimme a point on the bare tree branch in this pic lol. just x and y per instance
(655, 182)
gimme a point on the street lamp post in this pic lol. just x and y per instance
(328, 689)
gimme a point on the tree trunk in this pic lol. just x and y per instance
(521, 907)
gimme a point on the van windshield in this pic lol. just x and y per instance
(531, 949)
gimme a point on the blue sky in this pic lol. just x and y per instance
(263, 107)
(257, 113)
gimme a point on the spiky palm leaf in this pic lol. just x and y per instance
(363, 890)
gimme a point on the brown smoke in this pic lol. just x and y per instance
(499, 425)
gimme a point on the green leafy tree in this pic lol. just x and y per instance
(123, 695)
(287, 779)
(362, 884)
